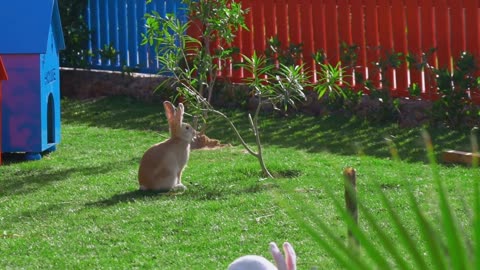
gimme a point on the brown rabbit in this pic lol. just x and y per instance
(162, 164)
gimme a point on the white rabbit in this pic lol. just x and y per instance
(254, 262)
(162, 164)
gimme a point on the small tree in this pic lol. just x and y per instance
(191, 61)
(192, 65)
(281, 87)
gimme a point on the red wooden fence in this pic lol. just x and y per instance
(403, 26)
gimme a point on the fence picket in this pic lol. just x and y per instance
(444, 49)
(123, 30)
(247, 36)
(428, 43)
(457, 23)
(270, 18)
(294, 27)
(94, 23)
(307, 38)
(237, 71)
(151, 62)
(269, 21)
(331, 23)
(472, 27)
(385, 38)
(132, 33)
(114, 31)
(345, 36)
(344, 23)
(319, 27)
(141, 51)
(104, 32)
(259, 39)
(358, 39)
(372, 41)
(400, 45)
(282, 22)
(414, 38)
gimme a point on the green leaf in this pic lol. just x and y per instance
(455, 244)
(430, 236)
(334, 246)
(476, 223)
(364, 240)
(385, 240)
(403, 234)
(456, 247)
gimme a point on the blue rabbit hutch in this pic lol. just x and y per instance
(30, 42)
(3, 77)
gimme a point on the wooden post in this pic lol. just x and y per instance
(350, 177)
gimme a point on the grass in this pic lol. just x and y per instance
(79, 206)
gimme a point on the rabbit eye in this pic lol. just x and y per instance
(187, 127)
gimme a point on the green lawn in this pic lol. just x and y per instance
(79, 207)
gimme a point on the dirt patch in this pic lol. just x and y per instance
(203, 142)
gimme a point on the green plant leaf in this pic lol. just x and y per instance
(430, 236)
(455, 244)
(476, 224)
(368, 245)
(387, 243)
(456, 247)
(334, 246)
(403, 235)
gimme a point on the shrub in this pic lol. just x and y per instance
(76, 32)
(455, 90)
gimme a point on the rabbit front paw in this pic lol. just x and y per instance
(179, 188)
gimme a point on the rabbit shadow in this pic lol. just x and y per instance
(129, 196)
(198, 192)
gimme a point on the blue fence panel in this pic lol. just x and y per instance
(122, 32)
(117, 26)
(132, 60)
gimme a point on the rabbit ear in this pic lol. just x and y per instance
(278, 257)
(179, 114)
(291, 257)
(169, 111)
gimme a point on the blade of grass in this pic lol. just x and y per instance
(407, 241)
(476, 224)
(337, 254)
(456, 247)
(430, 237)
(403, 234)
(476, 199)
(367, 244)
(387, 243)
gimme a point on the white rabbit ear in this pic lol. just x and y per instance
(278, 257)
(179, 114)
(291, 257)
(169, 112)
